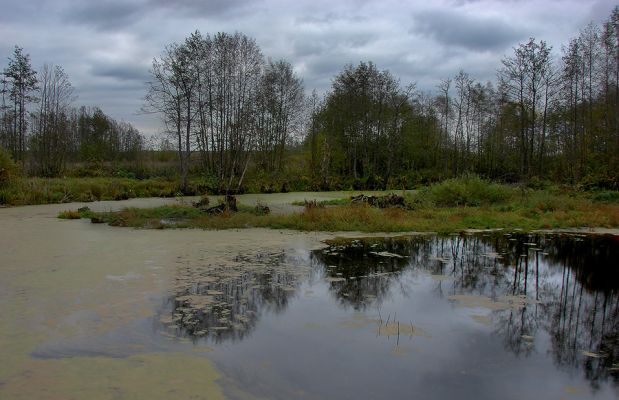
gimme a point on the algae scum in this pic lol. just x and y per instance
(269, 314)
(477, 316)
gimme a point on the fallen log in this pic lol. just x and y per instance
(229, 205)
(390, 200)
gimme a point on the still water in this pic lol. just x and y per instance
(480, 316)
(100, 312)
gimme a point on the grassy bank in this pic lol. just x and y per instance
(16, 190)
(455, 205)
(27, 191)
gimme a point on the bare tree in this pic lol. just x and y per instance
(462, 134)
(444, 109)
(50, 140)
(281, 101)
(228, 70)
(171, 94)
(525, 75)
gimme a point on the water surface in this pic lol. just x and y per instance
(91, 311)
(471, 316)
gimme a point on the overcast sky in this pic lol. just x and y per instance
(107, 46)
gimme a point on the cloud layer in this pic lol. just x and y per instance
(107, 47)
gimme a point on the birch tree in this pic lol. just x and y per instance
(525, 76)
(171, 94)
(281, 100)
(50, 141)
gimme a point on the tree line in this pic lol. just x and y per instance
(228, 110)
(542, 118)
(41, 129)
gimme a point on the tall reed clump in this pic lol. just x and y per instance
(469, 190)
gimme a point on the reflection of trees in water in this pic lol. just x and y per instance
(573, 280)
(359, 276)
(371, 266)
(578, 282)
(584, 313)
(472, 263)
(224, 302)
(571, 285)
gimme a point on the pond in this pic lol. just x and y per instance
(104, 312)
(481, 316)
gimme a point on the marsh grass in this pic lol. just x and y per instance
(454, 205)
(69, 214)
(29, 191)
(25, 191)
(366, 219)
(151, 217)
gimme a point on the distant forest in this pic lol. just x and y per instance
(230, 115)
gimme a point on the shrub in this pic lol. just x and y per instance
(469, 190)
(91, 169)
(601, 181)
(397, 182)
(8, 168)
(608, 196)
(374, 182)
(536, 183)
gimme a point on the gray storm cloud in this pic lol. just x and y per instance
(476, 33)
(106, 47)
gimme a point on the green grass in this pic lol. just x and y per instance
(609, 196)
(538, 210)
(25, 191)
(453, 205)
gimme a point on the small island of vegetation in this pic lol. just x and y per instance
(450, 206)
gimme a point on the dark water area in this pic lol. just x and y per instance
(466, 316)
